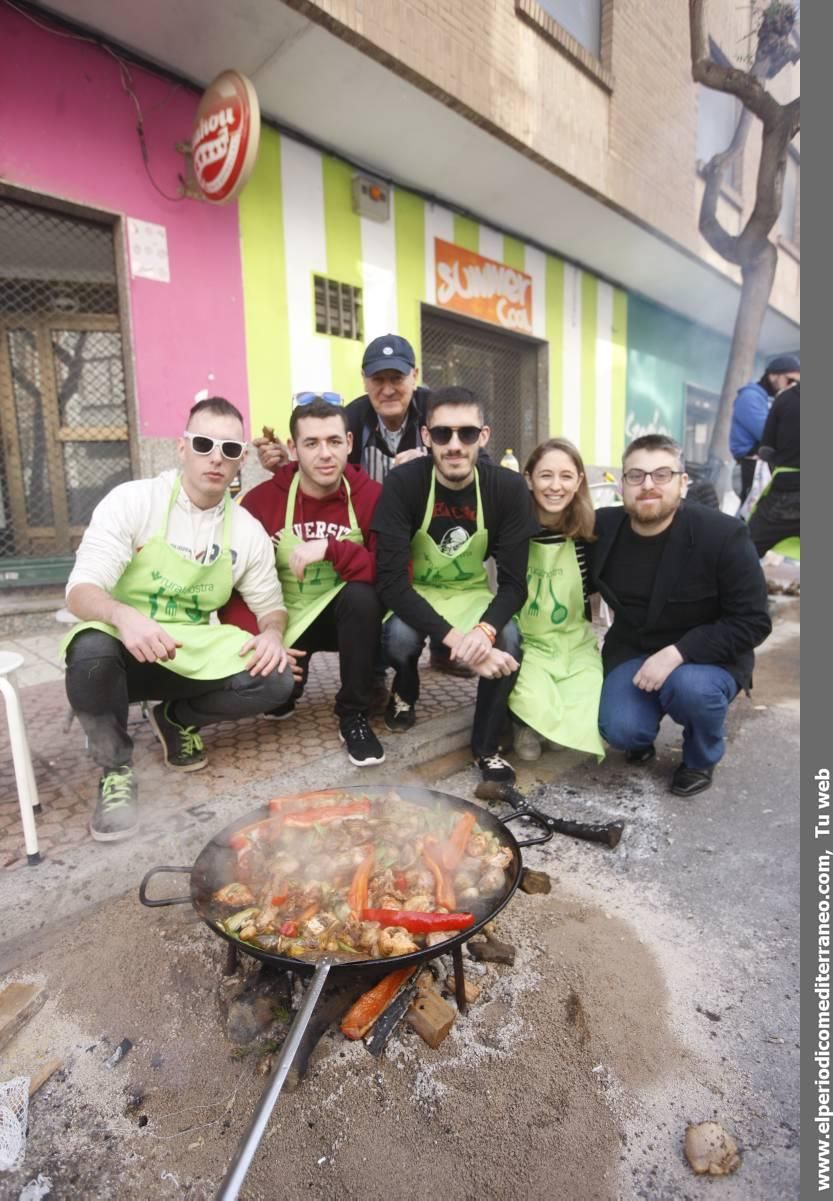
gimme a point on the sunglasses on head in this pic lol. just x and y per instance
(201, 444)
(306, 398)
(442, 434)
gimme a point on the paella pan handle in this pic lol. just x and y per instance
(143, 888)
(250, 1141)
(535, 816)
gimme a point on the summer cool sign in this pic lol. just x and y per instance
(480, 287)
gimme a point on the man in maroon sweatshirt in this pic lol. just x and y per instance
(317, 512)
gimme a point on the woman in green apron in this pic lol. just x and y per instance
(556, 696)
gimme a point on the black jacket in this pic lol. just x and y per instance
(709, 597)
(362, 423)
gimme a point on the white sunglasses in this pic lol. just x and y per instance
(201, 444)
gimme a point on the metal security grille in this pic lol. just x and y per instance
(338, 309)
(501, 369)
(63, 406)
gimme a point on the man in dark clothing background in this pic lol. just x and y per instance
(689, 602)
(750, 411)
(778, 513)
(437, 521)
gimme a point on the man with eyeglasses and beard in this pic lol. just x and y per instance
(689, 601)
(158, 558)
(438, 519)
(317, 511)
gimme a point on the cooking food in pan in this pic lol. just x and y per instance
(359, 877)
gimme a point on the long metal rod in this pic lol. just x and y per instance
(250, 1142)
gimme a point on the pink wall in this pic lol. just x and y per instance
(68, 129)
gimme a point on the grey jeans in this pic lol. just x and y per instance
(103, 678)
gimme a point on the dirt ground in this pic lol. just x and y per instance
(652, 987)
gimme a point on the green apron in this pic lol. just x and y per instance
(455, 585)
(790, 548)
(181, 595)
(558, 688)
(307, 598)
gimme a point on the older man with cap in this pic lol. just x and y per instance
(385, 426)
(750, 413)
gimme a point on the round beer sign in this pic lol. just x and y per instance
(225, 138)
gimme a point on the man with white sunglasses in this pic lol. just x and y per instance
(158, 559)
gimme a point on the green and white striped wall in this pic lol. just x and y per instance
(296, 220)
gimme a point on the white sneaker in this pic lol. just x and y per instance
(527, 744)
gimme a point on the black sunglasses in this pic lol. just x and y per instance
(201, 444)
(442, 434)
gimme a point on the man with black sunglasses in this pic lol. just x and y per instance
(439, 519)
(157, 560)
(317, 511)
(689, 602)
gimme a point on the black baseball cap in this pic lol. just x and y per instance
(388, 353)
(783, 363)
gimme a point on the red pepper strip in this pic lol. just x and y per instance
(357, 896)
(455, 848)
(360, 1016)
(279, 898)
(267, 829)
(310, 910)
(288, 929)
(442, 885)
(294, 798)
(419, 923)
(333, 813)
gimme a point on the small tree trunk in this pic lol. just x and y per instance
(757, 280)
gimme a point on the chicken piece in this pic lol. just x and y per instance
(390, 901)
(419, 902)
(234, 894)
(367, 938)
(464, 880)
(437, 936)
(501, 858)
(421, 879)
(468, 894)
(492, 880)
(395, 940)
(477, 846)
(248, 932)
(266, 918)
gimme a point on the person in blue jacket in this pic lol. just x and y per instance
(750, 413)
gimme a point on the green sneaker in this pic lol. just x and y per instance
(182, 745)
(116, 813)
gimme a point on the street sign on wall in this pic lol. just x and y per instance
(479, 287)
(226, 136)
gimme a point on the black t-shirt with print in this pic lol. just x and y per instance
(454, 519)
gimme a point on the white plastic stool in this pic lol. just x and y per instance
(27, 792)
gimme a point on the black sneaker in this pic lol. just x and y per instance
(399, 715)
(117, 810)
(495, 769)
(688, 781)
(363, 747)
(181, 745)
(641, 754)
(280, 712)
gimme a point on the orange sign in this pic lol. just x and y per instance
(478, 287)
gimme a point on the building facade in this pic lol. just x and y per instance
(550, 260)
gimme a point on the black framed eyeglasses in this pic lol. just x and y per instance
(306, 398)
(201, 444)
(660, 475)
(442, 434)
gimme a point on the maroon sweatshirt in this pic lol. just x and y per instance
(314, 517)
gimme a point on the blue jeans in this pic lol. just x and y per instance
(695, 695)
(401, 647)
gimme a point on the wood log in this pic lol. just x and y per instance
(41, 1074)
(18, 1002)
(431, 1017)
(492, 951)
